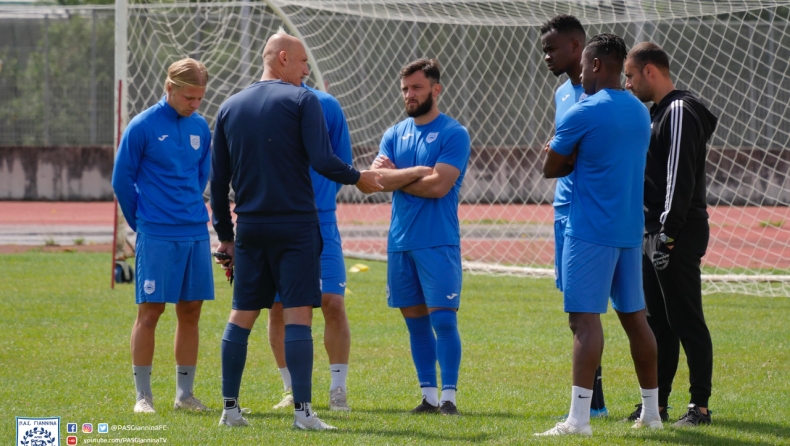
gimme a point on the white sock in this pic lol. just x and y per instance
(581, 400)
(339, 373)
(185, 381)
(650, 404)
(431, 395)
(448, 395)
(303, 410)
(142, 381)
(286, 375)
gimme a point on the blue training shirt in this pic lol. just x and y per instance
(612, 130)
(266, 138)
(426, 222)
(160, 171)
(325, 189)
(565, 96)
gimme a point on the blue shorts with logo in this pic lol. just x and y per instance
(559, 242)
(333, 267)
(272, 258)
(591, 273)
(430, 276)
(169, 271)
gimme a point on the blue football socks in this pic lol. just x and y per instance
(299, 359)
(423, 349)
(234, 357)
(448, 346)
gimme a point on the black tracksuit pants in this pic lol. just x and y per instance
(674, 304)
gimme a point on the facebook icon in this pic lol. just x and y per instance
(71, 428)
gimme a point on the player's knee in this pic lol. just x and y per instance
(276, 315)
(444, 321)
(148, 315)
(188, 312)
(583, 323)
(333, 306)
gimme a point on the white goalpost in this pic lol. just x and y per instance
(733, 54)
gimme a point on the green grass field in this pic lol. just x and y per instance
(64, 352)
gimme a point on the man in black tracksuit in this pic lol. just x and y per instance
(676, 227)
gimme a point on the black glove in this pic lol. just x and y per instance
(664, 245)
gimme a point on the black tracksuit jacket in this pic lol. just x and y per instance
(675, 172)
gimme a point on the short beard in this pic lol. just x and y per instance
(421, 109)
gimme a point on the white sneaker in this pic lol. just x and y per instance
(337, 400)
(191, 403)
(566, 429)
(653, 424)
(233, 417)
(287, 401)
(312, 423)
(144, 405)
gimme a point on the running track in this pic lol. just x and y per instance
(748, 237)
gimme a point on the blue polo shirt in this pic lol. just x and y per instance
(325, 189)
(612, 131)
(565, 96)
(426, 222)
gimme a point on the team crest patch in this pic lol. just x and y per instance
(195, 141)
(431, 137)
(38, 431)
(149, 286)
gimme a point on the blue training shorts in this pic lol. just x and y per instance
(559, 242)
(591, 273)
(430, 276)
(273, 258)
(333, 267)
(169, 271)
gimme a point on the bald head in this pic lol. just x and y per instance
(285, 58)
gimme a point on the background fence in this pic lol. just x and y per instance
(56, 88)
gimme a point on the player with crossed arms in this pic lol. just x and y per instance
(423, 160)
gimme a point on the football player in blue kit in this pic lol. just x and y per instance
(423, 160)
(562, 41)
(603, 140)
(337, 334)
(161, 169)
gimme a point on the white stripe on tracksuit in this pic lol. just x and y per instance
(676, 129)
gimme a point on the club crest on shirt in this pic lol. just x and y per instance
(431, 137)
(149, 286)
(195, 141)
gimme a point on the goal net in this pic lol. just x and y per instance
(734, 54)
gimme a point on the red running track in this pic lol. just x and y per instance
(748, 237)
